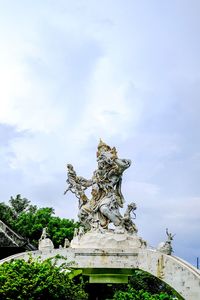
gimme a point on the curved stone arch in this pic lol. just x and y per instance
(160, 281)
(177, 273)
(181, 276)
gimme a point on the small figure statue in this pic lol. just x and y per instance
(78, 232)
(166, 247)
(44, 234)
(66, 243)
(71, 180)
(81, 231)
(77, 185)
(44, 242)
(169, 235)
(75, 232)
(129, 224)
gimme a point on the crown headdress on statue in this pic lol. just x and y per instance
(103, 147)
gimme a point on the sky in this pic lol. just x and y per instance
(72, 72)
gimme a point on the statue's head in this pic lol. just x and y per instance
(104, 150)
(70, 167)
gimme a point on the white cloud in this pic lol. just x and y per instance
(110, 110)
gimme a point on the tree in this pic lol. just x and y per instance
(9, 213)
(141, 280)
(35, 280)
(30, 225)
(132, 294)
(6, 213)
(28, 220)
(19, 204)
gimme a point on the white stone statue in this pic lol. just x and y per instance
(128, 220)
(102, 208)
(45, 244)
(166, 247)
(44, 234)
(66, 243)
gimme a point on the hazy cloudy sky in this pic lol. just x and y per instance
(126, 71)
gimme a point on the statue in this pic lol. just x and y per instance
(44, 234)
(77, 185)
(45, 243)
(106, 199)
(66, 243)
(129, 224)
(166, 247)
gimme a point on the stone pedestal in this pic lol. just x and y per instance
(109, 239)
(45, 245)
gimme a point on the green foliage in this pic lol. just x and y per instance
(6, 213)
(141, 280)
(19, 205)
(38, 280)
(30, 225)
(28, 221)
(132, 294)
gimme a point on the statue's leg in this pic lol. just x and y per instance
(110, 215)
(84, 218)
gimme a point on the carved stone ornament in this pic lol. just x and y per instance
(45, 244)
(166, 247)
(103, 206)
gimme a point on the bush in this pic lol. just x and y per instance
(35, 280)
(132, 294)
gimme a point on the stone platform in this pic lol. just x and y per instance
(108, 239)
